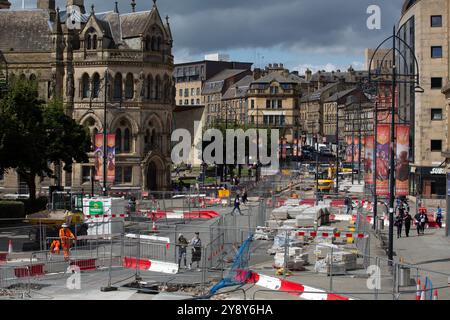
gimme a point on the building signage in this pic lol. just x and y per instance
(432, 170)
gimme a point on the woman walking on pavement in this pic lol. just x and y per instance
(399, 223)
(439, 217)
(182, 248)
(407, 221)
(196, 243)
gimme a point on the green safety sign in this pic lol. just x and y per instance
(95, 207)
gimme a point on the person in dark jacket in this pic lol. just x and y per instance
(439, 217)
(348, 204)
(407, 221)
(196, 244)
(417, 222)
(237, 204)
(244, 196)
(399, 224)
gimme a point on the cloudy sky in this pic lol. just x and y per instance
(319, 34)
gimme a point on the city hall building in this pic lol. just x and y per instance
(129, 55)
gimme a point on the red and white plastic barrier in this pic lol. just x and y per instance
(314, 234)
(292, 288)
(150, 265)
(158, 215)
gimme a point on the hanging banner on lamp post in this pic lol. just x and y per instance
(110, 160)
(348, 152)
(402, 166)
(368, 160)
(382, 174)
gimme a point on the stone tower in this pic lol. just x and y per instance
(79, 3)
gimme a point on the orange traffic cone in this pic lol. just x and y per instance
(10, 247)
(418, 296)
(435, 295)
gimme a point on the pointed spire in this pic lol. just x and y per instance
(116, 7)
(133, 5)
(92, 9)
(167, 19)
(58, 22)
(154, 3)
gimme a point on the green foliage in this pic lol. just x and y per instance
(12, 210)
(33, 206)
(35, 135)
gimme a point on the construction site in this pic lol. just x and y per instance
(285, 244)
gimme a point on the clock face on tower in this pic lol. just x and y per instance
(73, 21)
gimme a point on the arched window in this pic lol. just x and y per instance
(94, 41)
(94, 133)
(153, 46)
(126, 141)
(150, 87)
(129, 86)
(158, 44)
(85, 87)
(32, 77)
(118, 86)
(118, 140)
(148, 43)
(95, 85)
(157, 93)
(123, 137)
(87, 41)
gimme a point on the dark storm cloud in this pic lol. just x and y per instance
(308, 25)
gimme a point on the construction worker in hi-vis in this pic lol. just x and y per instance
(55, 247)
(66, 238)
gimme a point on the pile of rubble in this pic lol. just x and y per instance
(299, 216)
(301, 230)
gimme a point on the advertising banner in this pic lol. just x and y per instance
(402, 166)
(110, 160)
(356, 150)
(383, 151)
(368, 160)
(348, 151)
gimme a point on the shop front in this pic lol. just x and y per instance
(428, 182)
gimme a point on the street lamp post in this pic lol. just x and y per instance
(411, 77)
(337, 148)
(105, 149)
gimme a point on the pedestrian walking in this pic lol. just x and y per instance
(244, 197)
(196, 244)
(417, 218)
(399, 224)
(182, 244)
(439, 217)
(407, 221)
(237, 204)
(348, 204)
(423, 220)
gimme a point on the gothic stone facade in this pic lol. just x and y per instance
(128, 54)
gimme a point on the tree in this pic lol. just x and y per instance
(35, 136)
